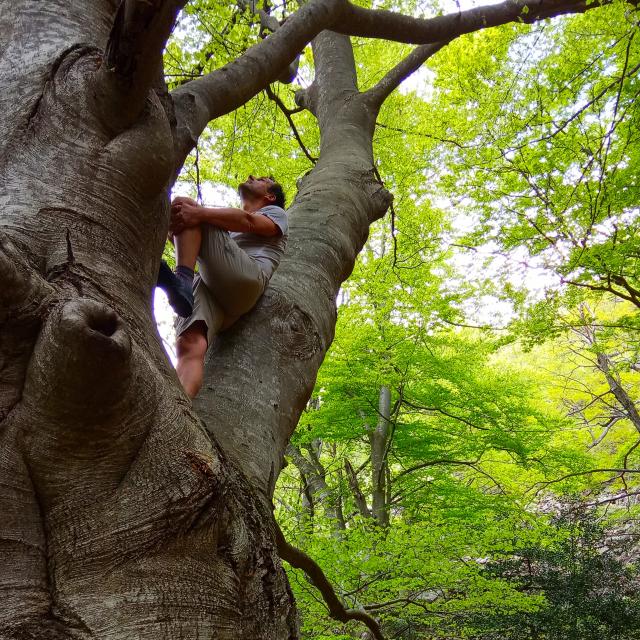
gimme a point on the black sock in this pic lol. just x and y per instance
(165, 276)
(185, 274)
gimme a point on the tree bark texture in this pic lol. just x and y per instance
(286, 336)
(121, 516)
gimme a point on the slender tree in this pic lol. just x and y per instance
(127, 512)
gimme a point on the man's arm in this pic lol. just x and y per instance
(185, 214)
(232, 219)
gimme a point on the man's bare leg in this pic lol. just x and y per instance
(191, 347)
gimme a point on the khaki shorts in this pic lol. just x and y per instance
(228, 284)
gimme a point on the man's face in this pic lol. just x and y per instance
(256, 191)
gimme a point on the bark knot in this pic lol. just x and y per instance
(294, 331)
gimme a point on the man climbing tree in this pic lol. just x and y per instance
(238, 251)
(126, 512)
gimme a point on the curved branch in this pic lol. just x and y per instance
(377, 23)
(300, 560)
(390, 81)
(433, 463)
(576, 474)
(201, 100)
(419, 407)
(445, 462)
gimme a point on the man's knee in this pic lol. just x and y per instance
(192, 343)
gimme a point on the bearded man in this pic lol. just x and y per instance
(237, 252)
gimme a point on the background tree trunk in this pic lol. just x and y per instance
(379, 438)
(315, 478)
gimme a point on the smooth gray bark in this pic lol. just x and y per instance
(379, 439)
(286, 336)
(121, 516)
(315, 478)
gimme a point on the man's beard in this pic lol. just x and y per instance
(245, 190)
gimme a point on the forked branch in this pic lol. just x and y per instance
(224, 90)
(272, 95)
(391, 80)
(201, 100)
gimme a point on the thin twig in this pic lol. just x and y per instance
(393, 220)
(287, 114)
(198, 181)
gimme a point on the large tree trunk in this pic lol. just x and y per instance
(122, 515)
(275, 352)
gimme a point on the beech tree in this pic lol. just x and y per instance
(126, 511)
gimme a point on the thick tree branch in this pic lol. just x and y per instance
(133, 55)
(608, 288)
(373, 23)
(270, 24)
(390, 81)
(225, 89)
(300, 560)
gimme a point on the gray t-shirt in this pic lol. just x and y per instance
(266, 251)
